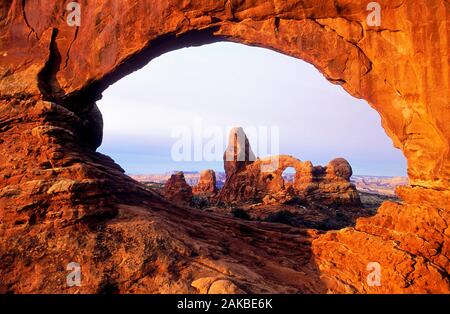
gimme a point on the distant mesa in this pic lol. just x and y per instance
(379, 185)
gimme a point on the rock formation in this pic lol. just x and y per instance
(177, 190)
(61, 202)
(238, 153)
(329, 185)
(206, 186)
(262, 180)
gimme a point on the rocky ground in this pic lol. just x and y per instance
(295, 214)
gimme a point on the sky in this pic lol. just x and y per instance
(175, 113)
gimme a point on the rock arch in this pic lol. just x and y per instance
(51, 74)
(74, 65)
(284, 162)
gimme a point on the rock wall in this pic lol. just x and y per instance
(43, 55)
(61, 201)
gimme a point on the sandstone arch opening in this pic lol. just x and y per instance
(175, 89)
(60, 200)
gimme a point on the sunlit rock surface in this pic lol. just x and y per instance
(62, 202)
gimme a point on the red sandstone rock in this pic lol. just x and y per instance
(262, 180)
(206, 185)
(281, 197)
(238, 153)
(412, 236)
(60, 201)
(177, 190)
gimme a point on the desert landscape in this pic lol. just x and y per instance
(66, 208)
(373, 190)
(372, 194)
(323, 198)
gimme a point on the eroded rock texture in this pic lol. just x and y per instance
(254, 180)
(206, 186)
(62, 202)
(177, 190)
(238, 153)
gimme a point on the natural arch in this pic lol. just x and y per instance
(333, 36)
(63, 180)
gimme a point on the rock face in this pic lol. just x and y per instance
(206, 186)
(177, 190)
(412, 236)
(238, 153)
(329, 185)
(62, 202)
(262, 180)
